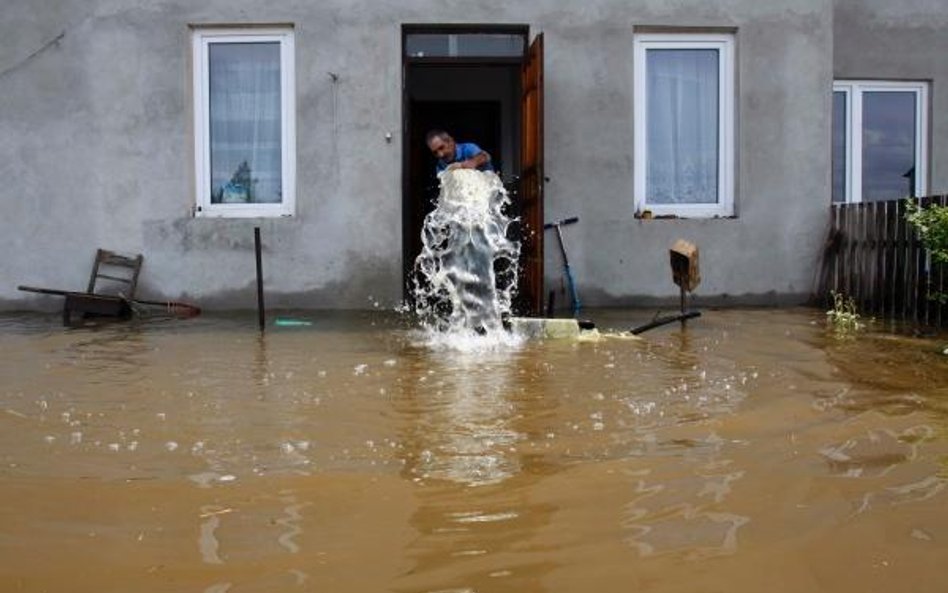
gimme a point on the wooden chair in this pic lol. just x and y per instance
(114, 263)
(120, 276)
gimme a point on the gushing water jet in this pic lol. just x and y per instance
(465, 277)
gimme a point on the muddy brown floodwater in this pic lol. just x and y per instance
(754, 451)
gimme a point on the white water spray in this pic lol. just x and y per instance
(465, 277)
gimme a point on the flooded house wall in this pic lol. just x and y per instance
(96, 149)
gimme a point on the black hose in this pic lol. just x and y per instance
(660, 321)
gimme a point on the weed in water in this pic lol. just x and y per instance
(843, 315)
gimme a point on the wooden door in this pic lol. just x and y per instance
(531, 180)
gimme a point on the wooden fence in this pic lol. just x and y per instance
(874, 255)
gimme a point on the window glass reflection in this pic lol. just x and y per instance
(888, 145)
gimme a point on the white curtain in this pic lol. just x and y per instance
(245, 120)
(682, 132)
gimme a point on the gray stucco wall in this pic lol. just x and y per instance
(874, 39)
(95, 149)
(769, 252)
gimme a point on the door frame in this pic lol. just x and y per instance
(409, 61)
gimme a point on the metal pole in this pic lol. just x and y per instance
(257, 250)
(681, 304)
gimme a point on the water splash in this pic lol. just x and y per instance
(465, 277)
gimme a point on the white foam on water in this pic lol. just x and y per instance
(465, 277)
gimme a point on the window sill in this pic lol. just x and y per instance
(237, 212)
(649, 215)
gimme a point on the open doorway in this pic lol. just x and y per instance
(467, 80)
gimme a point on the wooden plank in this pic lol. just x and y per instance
(827, 274)
(861, 256)
(914, 277)
(867, 257)
(907, 280)
(902, 273)
(878, 220)
(891, 239)
(114, 278)
(838, 252)
(883, 250)
(936, 280)
(837, 236)
(848, 249)
(872, 251)
(856, 261)
(941, 309)
(838, 270)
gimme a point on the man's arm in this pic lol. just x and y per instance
(481, 158)
(478, 160)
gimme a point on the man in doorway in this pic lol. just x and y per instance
(452, 155)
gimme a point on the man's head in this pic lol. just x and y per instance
(441, 144)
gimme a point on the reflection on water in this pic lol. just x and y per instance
(459, 407)
(752, 448)
(207, 542)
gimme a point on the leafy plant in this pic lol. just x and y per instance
(931, 224)
(843, 315)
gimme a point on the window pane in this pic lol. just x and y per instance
(888, 145)
(245, 123)
(682, 126)
(490, 45)
(432, 45)
(426, 46)
(840, 119)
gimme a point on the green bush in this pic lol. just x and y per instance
(931, 224)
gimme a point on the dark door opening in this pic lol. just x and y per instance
(468, 121)
(476, 99)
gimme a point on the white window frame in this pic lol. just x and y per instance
(854, 90)
(724, 43)
(201, 40)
